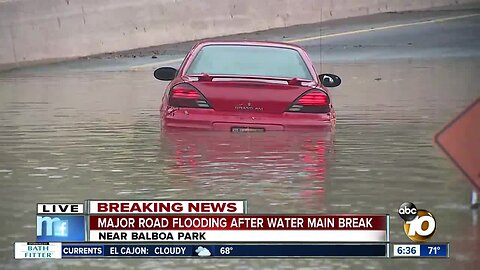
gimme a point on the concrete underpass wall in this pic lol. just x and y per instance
(33, 31)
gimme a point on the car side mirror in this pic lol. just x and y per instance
(329, 80)
(165, 73)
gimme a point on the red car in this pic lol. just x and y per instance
(244, 86)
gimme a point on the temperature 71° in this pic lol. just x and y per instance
(433, 249)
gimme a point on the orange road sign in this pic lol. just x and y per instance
(460, 141)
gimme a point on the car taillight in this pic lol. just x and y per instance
(313, 101)
(185, 95)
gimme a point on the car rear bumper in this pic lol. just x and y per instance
(208, 119)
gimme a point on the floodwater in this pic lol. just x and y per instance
(71, 136)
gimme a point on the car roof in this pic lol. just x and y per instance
(248, 43)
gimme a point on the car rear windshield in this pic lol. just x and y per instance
(249, 61)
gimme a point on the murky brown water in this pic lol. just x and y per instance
(71, 136)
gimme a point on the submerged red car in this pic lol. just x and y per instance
(244, 86)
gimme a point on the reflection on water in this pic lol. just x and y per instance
(71, 136)
(229, 164)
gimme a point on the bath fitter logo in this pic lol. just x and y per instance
(60, 228)
(419, 224)
(38, 250)
(54, 226)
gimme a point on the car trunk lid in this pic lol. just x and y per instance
(250, 96)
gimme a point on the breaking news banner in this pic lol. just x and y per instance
(215, 228)
(67, 222)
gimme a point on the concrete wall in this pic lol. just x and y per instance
(33, 31)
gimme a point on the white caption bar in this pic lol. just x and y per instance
(239, 236)
(406, 250)
(59, 208)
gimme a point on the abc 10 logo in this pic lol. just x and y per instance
(419, 225)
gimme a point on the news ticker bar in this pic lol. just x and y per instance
(57, 250)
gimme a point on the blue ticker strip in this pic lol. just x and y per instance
(78, 250)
